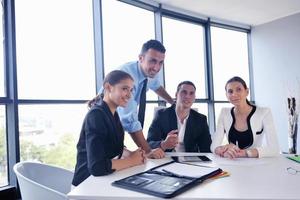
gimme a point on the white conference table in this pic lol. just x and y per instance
(263, 179)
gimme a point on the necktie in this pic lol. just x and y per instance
(142, 105)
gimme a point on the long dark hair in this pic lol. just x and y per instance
(114, 77)
(241, 81)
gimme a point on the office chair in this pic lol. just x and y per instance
(40, 181)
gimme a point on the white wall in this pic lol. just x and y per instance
(276, 68)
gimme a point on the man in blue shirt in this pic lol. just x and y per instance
(151, 59)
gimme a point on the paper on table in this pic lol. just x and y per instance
(187, 170)
(240, 161)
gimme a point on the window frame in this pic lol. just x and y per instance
(12, 102)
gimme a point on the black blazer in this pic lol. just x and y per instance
(101, 139)
(196, 138)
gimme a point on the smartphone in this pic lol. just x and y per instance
(195, 159)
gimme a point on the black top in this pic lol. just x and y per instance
(101, 139)
(244, 138)
(196, 138)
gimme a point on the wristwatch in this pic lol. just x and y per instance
(249, 153)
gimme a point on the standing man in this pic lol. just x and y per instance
(144, 72)
(179, 127)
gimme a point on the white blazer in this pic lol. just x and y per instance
(263, 129)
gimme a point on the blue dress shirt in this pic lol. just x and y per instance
(129, 114)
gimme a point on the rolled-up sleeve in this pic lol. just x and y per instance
(129, 117)
(154, 84)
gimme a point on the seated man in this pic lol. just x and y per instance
(179, 127)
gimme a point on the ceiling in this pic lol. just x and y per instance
(248, 12)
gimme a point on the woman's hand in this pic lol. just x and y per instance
(221, 150)
(230, 151)
(138, 157)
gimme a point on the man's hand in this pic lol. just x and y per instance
(171, 141)
(156, 153)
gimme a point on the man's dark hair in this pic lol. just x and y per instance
(185, 83)
(153, 44)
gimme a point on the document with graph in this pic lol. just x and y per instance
(168, 180)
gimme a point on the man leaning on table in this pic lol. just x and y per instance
(145, 74)
(179, 127)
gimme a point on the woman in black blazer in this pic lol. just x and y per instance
(100, 149)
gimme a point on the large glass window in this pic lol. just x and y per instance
(229, 58)
(54, 42)
(2, 83)
(2, 77)
(49, 133)
(3, 143)
(55, 61)
(3, 150)
(125, 29)
(201, 108)
(185, 55)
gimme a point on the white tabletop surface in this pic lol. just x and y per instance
(264, 178)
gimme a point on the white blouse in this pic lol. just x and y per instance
(263, 129)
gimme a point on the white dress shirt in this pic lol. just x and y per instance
(181, 130)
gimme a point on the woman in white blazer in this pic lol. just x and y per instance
(249, 129)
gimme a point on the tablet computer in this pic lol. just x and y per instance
(201, 158)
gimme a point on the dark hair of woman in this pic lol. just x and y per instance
(114, 77)
(241, 81)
